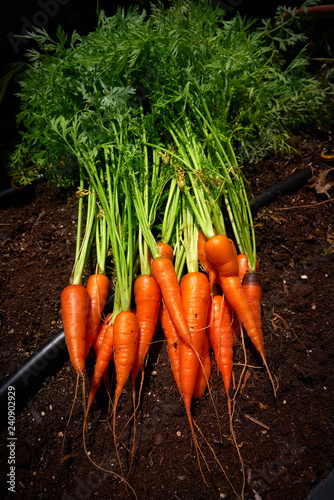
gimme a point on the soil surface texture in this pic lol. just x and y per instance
(286, 443)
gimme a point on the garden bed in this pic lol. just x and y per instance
(286, 443)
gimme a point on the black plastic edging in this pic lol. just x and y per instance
(287, 186)
(28, 378)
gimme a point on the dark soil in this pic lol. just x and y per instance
(286, 450)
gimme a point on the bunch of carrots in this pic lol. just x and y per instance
(178, 268)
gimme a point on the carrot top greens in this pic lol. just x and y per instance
(179, 94)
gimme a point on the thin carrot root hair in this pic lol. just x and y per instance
(198, 450)
(117, 439)
(62, 458)
(108, 471)
(236, 445)
(135, 406)
(270, 377)
(212, 400)
(234, 438)
(118, 393)
(245, 364)
(132, 452)
(217, 460)
(116, 399)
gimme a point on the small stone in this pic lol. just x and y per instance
(178, 434)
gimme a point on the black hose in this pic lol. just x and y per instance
(28, 378)
(19, 193)
(287, 186)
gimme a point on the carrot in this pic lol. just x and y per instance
(219, 250)
(195, 294)
(243, 265)
(235, 327)
(100, 333)
(104, 357)
(208, 267)
(252, 287)
(74, 309)
(162, 269)
(242, 269)
(173, 343)
(202, 378)
(147, 297)
(98, 289)
(126, 333)
(221, 337)
(165, 249)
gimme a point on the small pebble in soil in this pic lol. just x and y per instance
(178, 433)
(303, 277)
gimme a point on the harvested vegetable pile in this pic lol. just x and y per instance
(152, 118)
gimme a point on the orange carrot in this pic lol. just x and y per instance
(218, 249)
(162, 269)
(100, 333)
(195, 293)
(165, 251)
(252, 287)
(126, 333)
(173, 343)
(208, 267)
(235, 327)
(243, 265)
(147, 297)
(98, 289)
(202, 378)
(221, 337)
(104, 357)
(74, 309)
